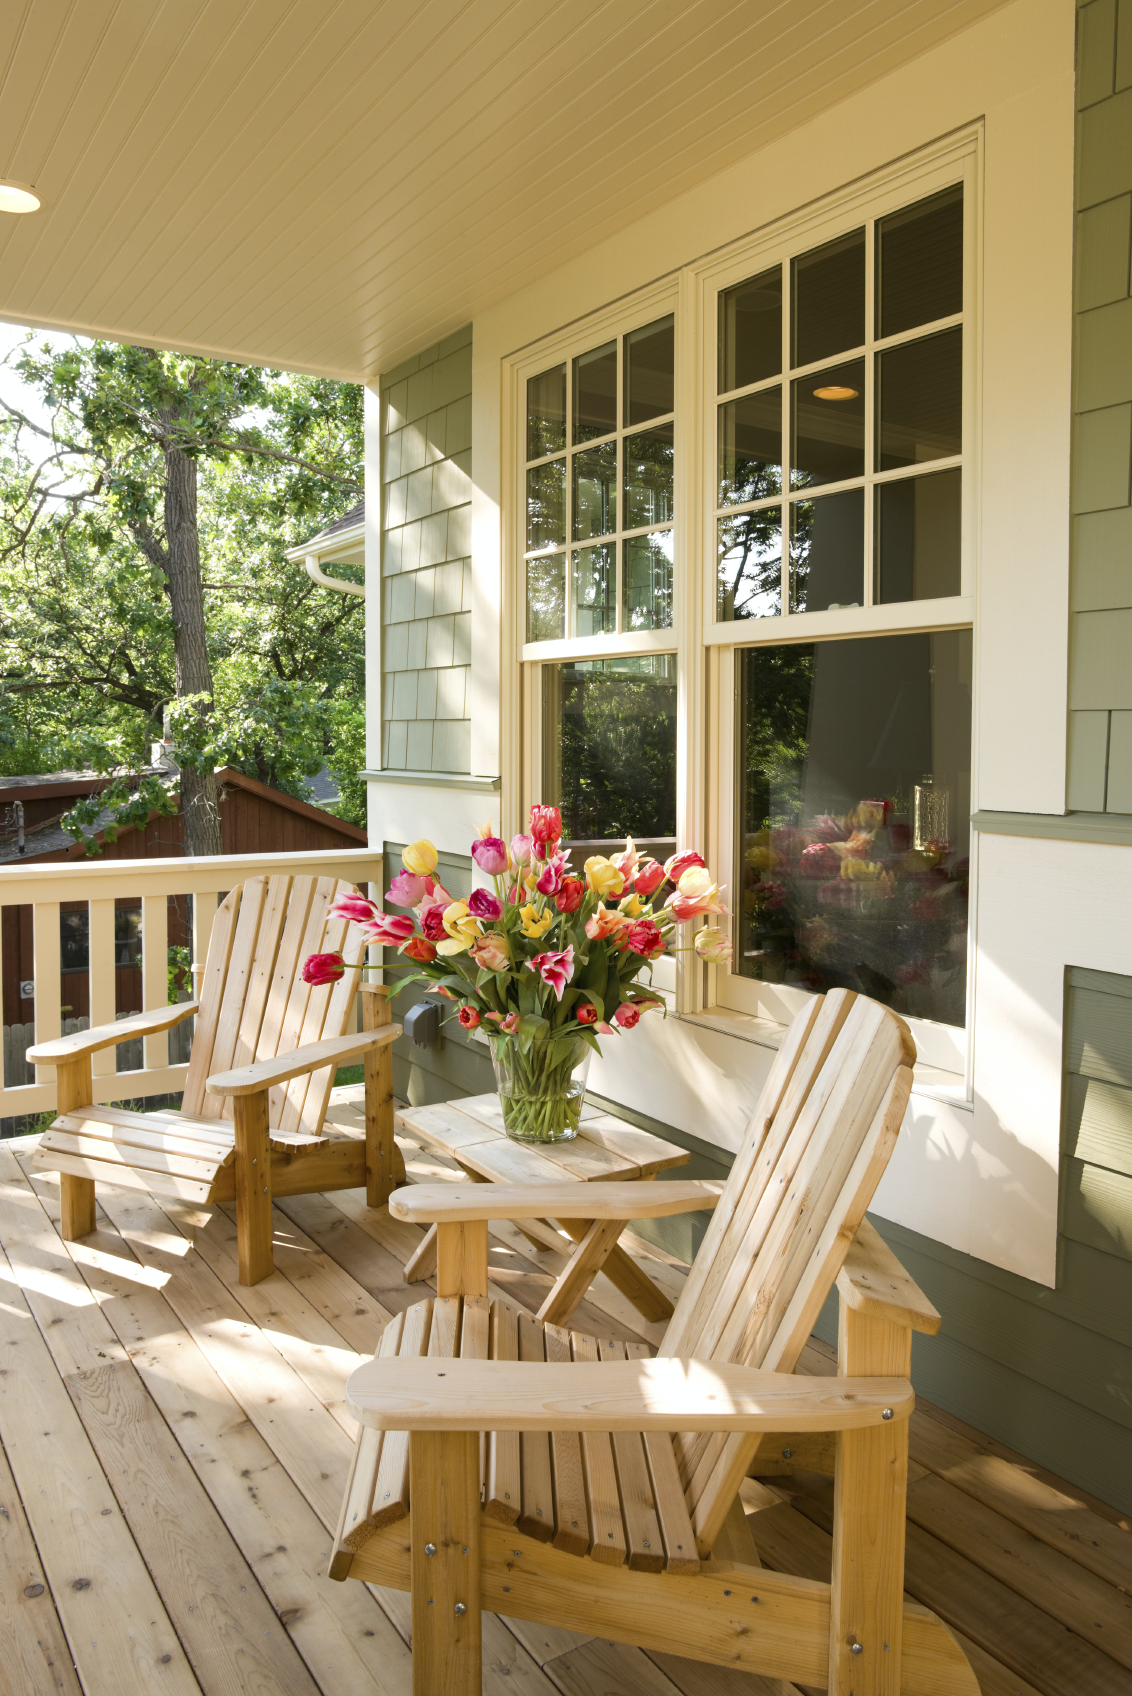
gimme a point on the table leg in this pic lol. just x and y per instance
(597, 1243)
(624, 1273)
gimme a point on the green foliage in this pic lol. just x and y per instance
(87, 669)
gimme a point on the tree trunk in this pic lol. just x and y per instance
(200, 809)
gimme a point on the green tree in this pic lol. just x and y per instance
(143, 533)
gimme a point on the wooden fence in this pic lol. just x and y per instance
(156, 1066)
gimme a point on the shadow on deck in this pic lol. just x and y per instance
(175, 1448)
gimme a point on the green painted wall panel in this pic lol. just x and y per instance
(1099, 645)
(1098, 1122)
(1102, 253)
(1104, 355)
(1123, 45)
(1102, 568)
(1097, 1208)
(1098, 1036)
(1088, 761)
(1096, 51)
(1104, 150)
(1119, 784)
(1101, 442)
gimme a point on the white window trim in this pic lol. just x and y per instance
(706, 649)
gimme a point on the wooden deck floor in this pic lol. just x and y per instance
(175, 1449)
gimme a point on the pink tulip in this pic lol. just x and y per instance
(693, 895)
(490, 855)
(650, 876)
(678, 864)
(554, 969)
(510, 1024)
(521, 848)
(482, 904)
(354, 907)
(407, 889)
(390, 928)
(645, 937)
(627, 1015)
(819, 861)
(550, 882)
(546, 827)
(323, 968)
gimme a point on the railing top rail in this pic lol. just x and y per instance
(78, 880)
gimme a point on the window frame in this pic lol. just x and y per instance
(706, 648)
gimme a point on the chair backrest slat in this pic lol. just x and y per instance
(254, 1003)
(811, 1159)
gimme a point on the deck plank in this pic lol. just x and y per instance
(35, 1646)
(342, 1634)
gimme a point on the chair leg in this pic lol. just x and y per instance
(253, 1188)
(869, 1509)
(77, 1198)
(74, 1090)
(444, 1495)
(381, 1151)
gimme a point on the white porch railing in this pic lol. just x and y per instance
(100, 884)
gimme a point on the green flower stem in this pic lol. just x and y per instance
(540, 1098)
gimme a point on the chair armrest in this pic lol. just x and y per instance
(451, 1204)
(873, 1281)
(633, 1395)
(331, 1051)
(63, 1048)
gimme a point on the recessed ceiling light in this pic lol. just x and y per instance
(18, 197)
(834, 391)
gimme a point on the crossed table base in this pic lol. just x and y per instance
(470, 1132)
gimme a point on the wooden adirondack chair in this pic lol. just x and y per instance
(251, 1123)
(603, 1498)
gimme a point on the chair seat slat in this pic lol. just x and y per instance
(572, 1528)
(536, 1517)
(638, 1506)
(607, 1533)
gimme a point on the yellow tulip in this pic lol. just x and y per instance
(603, 877)
(534, 924)
(462, 927)
(420, 858)
(632, 908)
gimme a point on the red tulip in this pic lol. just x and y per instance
(571, 894)
(586, 1014)
(323, 968)
(546, 824)
(650, 875)
(678, 864)
(468, 1016)
(627, 1015)
(645, 937)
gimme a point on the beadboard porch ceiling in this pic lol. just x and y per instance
(328, 187)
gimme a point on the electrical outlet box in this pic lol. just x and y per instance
(422, 1023)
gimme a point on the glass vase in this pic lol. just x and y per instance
(541, 1086)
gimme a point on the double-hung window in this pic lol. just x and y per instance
(819, 744)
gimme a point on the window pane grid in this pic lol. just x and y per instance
(922, 421)
(600, 526)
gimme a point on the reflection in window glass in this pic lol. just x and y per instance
(918, 537)
(546, 412)
(595, 393)
(827, 552)
(595, 491)
(750, 447)
(648, 581)
(595, 589)
(649, 371)
(829, 299)
(919, 263)
(546, 505)
(546, 598)
(750, 331)
(648, 477)
(828, 426)
(749, 569)
(856, 818)
(609, 747)
(920, 401)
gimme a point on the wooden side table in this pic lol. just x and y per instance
(470, 1132)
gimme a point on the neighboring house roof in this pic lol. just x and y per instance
(343, 540)
(47, 840)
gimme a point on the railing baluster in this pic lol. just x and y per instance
(48, 978)
(155, 974)
(103, 998)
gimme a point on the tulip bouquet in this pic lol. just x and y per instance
(544, 959)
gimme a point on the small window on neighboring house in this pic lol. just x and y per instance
(599, 489)
(839, 429)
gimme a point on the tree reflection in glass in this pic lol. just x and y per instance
(749, 570)
(609, 747)
(648, 477)
(546, 598)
